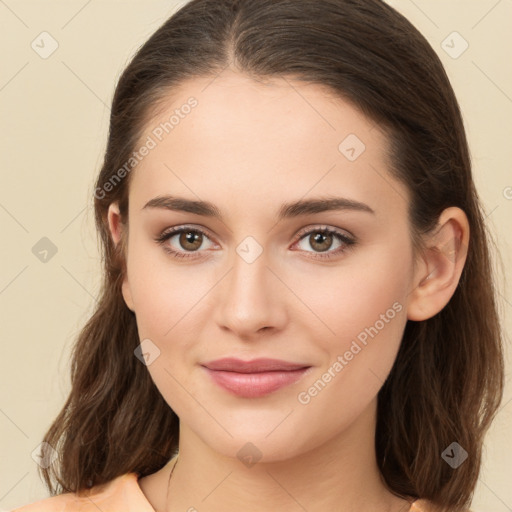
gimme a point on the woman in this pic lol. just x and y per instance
(298, 308)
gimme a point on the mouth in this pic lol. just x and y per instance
(256, 378)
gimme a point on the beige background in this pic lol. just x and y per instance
(55, 115)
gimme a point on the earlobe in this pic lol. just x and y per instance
(437, 277)
(115, 226)
(127, 294)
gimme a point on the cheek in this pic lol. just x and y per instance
(368, 317)
(348, 302)
(163, 294)
(363, 316)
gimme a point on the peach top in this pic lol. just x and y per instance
(122, 494)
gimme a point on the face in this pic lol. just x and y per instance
(322, 289)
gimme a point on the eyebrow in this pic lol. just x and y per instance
(287, 210)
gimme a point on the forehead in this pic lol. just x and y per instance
(248, 109)
(271, 140)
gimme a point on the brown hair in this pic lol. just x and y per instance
(447, 380)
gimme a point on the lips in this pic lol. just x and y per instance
(255, 378)
(230, 364)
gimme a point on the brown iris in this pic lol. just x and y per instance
(318, 239)
(193, 238)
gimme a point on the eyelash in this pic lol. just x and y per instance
(344, 239)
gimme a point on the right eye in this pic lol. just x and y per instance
(188, 239)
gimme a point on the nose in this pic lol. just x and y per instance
(251, 299)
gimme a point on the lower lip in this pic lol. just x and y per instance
(254, 385)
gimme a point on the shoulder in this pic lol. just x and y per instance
(55, 504)
(425, 506)
(123, 493)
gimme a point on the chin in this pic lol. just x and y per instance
(266, 438)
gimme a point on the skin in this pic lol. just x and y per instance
(248, 147)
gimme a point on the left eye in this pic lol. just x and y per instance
(321, 240)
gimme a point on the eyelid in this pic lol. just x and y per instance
(325, 227)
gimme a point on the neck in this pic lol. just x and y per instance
(340, 475)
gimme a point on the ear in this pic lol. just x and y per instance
(116, 228)
(437, 274)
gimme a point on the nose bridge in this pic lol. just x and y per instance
(250, 297)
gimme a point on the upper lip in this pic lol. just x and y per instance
(231, 364)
